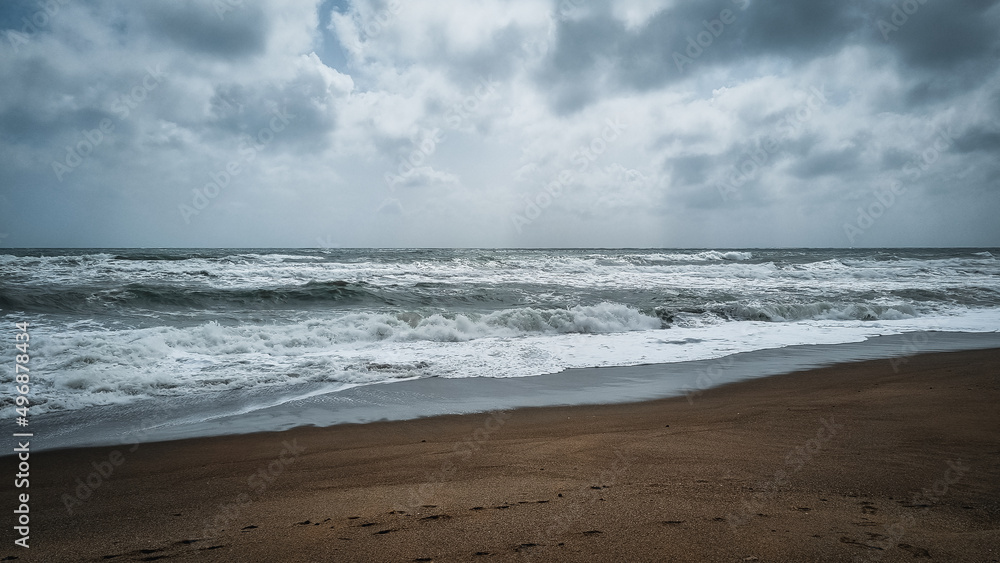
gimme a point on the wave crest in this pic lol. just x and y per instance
(790, 312)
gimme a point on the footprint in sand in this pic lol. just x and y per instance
(152, 557)
(186, 542)
(916, 551)
(847, 540)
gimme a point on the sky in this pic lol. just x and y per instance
(499, 123)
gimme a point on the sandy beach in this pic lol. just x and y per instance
(869, 461)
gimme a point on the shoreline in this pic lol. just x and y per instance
(236, 413)
(852, 460)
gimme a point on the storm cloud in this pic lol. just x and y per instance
(668, 123)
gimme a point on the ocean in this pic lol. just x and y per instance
(206, 334)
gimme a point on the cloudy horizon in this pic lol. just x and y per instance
(518, 123)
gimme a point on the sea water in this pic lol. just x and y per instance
(256, 328)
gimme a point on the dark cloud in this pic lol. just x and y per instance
(688, 170)
(956, 41)
(241, 31)
(797, 30)
(238, 111)
(980, 138)
(942, 36)
(894, 159)
(699, 98)
(685, 39)
(827, 163)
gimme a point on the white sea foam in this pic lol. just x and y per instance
(579, 270)
(93, 367)
(716, 255)
(137, 328)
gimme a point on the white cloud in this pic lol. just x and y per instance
(635, 13)
(488, 80)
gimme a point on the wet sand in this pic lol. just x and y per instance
(869, 461)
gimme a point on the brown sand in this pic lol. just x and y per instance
(836, 464)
